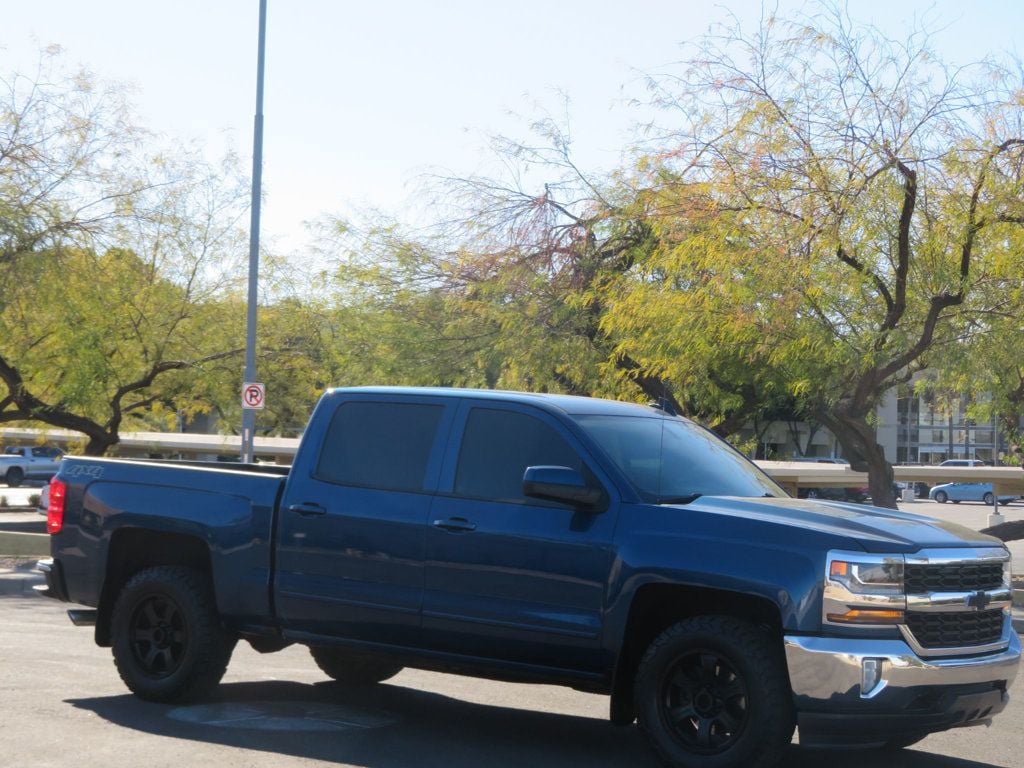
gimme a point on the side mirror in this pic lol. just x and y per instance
(561, 484)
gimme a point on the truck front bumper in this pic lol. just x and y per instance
(862, 692)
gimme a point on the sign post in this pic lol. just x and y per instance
(248, 415)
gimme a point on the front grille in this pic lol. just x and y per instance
(956, 630)
(953, 577)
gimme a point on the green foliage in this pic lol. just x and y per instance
(827, 213)
(115, 265)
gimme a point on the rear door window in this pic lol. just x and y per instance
(379, 445)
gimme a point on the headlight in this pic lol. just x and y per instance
(1007, 571)
(864, 589)
(872, 578)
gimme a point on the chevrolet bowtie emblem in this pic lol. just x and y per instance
(978, 601)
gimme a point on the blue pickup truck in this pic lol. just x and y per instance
(601, 545)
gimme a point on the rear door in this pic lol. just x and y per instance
(42, 463)
(351, 532)
(511, 577)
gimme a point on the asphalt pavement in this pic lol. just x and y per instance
(62, 703)
(277, 711)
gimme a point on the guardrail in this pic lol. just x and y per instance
(281, 449)
(793, 475)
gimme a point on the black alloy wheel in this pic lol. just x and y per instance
(713, 692)
(159, 636)
(704, 702)
(167, 639)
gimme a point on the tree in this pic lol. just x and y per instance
(113, 263)
(987, 362)
(856, 191)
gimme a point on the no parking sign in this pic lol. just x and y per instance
(254, 396)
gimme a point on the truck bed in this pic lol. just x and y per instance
(117, 506)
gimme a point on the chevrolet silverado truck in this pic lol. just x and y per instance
(601, 545)
(20, 463)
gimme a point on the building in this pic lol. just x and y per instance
(912, 428)
(926, 429)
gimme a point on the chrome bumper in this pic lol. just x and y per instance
(905, 693)
(830, 669)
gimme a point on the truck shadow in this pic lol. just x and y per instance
(389, 726)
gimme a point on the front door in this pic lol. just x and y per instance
(508, 576)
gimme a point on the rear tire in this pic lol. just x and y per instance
(713, 692)
(168, 643)
(351, 667)
(942, 497)
(987, 499)
(14, 477)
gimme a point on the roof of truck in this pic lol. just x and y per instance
(570, 404)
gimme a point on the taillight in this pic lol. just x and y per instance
(55, 511)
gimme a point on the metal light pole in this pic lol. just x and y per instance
(248, 411)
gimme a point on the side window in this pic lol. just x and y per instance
(498, 446)
(379, 445)
(41, 453)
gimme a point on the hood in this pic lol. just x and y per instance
(873, 528)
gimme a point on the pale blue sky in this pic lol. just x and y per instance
(362, 97)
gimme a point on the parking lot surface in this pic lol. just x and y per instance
(63, 702)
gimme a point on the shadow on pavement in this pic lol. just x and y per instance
(389, 726)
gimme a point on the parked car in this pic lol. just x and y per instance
(20, 463)
(43, 505)
(957, 492)
(963, 463)
(920, 488)
(857, 494)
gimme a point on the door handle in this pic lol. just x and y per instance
(307, 509)
(455, 525)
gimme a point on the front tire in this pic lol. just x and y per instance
(168, 643)
(987, 499)
(352, 668)
(713, 692)
(942, 497)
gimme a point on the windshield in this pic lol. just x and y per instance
(674, 461)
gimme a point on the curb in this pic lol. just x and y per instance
(24, 544)
(20, 580)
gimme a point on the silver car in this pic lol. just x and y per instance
(20, 463)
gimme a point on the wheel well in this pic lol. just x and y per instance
(656, 607)
(133, 549)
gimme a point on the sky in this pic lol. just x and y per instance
(364, 98)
